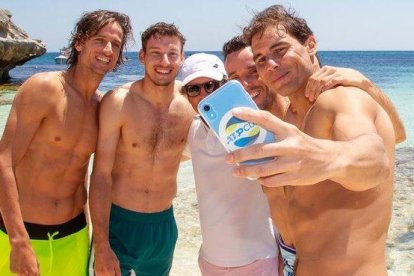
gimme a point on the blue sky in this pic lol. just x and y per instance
(207, 24)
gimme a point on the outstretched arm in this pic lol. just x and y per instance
(100, 195)
(356, 155)
(329, 77)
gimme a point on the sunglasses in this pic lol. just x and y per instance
(193, 90)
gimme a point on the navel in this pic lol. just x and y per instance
(134, 145)
(57, 139)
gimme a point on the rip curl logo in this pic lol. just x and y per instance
(236, 133)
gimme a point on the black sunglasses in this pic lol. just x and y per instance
(193, 90)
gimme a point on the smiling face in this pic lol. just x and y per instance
(99, 53)
(240, 66)
(283, 63)
(162, 58)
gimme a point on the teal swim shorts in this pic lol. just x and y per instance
(143, 242)
(60, 249)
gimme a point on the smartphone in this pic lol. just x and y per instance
(233, 133)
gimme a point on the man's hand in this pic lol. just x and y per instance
(329, 77)
(23, 260)
(106, 262)
(299, 158)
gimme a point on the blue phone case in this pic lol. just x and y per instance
(232, 132)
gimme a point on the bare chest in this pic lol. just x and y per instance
(154, 131)
(70, 127)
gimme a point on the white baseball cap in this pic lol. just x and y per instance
(202, 65)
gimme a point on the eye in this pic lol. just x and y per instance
(116, 45)
(260, 60)
(253, 71)
(99, 41)
(279, 51)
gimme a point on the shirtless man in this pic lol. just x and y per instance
(142, 134)
(49, 137)
(328, 212)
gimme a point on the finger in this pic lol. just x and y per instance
(315, 87)
(259, 151)
(263, 118)
(270, 168)
(118, 270)
(315, 79)
(332, 83)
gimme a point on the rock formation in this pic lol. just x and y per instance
(16, 47)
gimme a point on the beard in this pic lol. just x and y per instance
(160, 82)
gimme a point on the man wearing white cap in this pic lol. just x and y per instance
(237, 232)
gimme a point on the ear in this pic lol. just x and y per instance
(182, 57)
(78, 46)
(311, 45)
(141, 56)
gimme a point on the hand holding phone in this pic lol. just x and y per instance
(233, 133)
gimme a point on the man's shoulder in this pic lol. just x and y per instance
(342, 97)
(41, 88)
(45, 80)
(118, 93)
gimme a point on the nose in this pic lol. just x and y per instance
(108, 48)
(164, 59)
(272, 64)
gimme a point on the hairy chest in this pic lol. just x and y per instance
(156, 131)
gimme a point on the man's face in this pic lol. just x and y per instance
(101, 51)
(162, 59)
(282, 62)
(203, 86)
(241, 67)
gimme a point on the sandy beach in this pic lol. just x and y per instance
(400, 241)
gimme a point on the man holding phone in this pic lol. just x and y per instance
(234, 213)
(334, 167)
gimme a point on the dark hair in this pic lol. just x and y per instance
(90, 24)
(277, 15)
(161, 29)
(233, 45)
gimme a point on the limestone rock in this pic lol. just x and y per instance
(16, 47)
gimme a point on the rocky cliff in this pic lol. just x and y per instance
(16, 47)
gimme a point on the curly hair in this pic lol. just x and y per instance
(233, 45)
(90, 24)
(278, 16)
(161, 29)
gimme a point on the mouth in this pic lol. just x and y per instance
(279, 77)
(103, 59)
(163, 71)
(254, 92)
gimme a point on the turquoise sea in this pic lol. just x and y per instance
(392, 71)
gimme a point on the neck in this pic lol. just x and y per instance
(299, 104)
(279, 106)
(85, 84)
(158, 95)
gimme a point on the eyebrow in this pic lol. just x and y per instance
(273, 46)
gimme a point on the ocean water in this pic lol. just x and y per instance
(392, 71)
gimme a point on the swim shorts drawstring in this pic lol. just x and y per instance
(50, 239)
